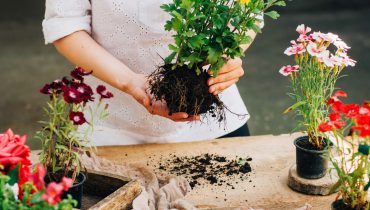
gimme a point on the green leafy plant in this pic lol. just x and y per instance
(206, 35)
(314, 76)
(62, 141)
(212, 31)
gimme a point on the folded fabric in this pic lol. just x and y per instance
(159, 192)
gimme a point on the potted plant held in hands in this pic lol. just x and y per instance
(320, 58)
(206, 35)
(62, 140)
(352, 163)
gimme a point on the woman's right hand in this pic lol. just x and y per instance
(138, 88)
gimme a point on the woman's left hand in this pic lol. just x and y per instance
(228, 75)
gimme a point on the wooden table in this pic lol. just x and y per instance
(272, 158)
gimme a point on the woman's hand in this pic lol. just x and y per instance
(138, 88)
(229, 75)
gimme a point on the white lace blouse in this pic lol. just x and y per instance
(133, 31)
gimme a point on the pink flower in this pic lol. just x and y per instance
(318, 36)
(103, 92)
(295, 49)
(37, 178)
(287, 70)
(66, 183)
(301, 29)
(314, 50)
(77, 118)
(52, 193)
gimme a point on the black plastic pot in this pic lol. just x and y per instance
(76, 191)
(311, 164)
(340, 205)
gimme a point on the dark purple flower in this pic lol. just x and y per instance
(86, 93)
(79, 73)
(71, 95)
(46, 89)
(77, 118)
(103, 92)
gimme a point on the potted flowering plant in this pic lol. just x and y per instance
(352, 164)
(319, 58)
(206, 35)
(62, 142)
(22, 189)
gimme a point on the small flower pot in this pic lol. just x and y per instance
(340, 205)
(76, 191)
(311, 163)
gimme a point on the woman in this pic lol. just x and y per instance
(120, 41)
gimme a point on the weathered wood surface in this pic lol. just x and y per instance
(272, 158)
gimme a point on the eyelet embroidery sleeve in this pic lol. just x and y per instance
(64, 17)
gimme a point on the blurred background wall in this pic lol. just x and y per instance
(26, 63)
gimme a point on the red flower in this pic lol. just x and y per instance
(13, 150)
(77, 118)
(52, 193)
(340, 93)
(79, 73)
(337, 106)
(103, 92)
(334, 116)
(364, 130)
(350, 110)
(339, 124)
(71, 95)
(66, 183)
(37, 177)
(326, 126)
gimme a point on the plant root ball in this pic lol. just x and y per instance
(185, 91)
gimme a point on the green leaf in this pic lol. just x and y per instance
(186, 4)
(14, 175)
(294, 106)
(36, 197)
(196, 41)
(173, 48)
(169, 58)
(280, 3)
(213, 55)
(273, 14)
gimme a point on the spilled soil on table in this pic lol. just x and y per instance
(208, 169)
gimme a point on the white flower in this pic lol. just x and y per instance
(336, 60)
(315, 50)
(341, 45)
(15, 189)
(347, 61)
(330, 37)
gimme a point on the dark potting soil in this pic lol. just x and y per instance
(185, 91)
(208, 168)
(340, 205)
(307, 145)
